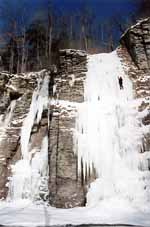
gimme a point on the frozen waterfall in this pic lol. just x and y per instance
(29, 178)
(109, 135)
(5, 119)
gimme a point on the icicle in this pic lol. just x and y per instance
(30, 174)
(42, 100)
(5, 120)
(27, 125)
(9, 113)
(38, 104)
(39, 166)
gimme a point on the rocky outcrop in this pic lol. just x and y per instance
(71, 75)
(137, 41)
(135, 55)
(66, 186)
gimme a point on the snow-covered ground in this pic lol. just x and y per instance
(114, 212)
(108, 135)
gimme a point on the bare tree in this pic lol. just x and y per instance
(143, 9)
(24, 53)
(49, 31)
(13, 30)
(86, 23)
(23, 26)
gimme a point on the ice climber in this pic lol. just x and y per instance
(120, 82)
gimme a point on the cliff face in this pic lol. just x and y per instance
(137, 41)
(135, 54)
(66, 187)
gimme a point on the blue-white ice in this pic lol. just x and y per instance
(109, 136)
(29, 180)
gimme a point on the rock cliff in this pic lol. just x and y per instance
(135, 54)
(67, 188)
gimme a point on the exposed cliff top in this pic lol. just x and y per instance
(72, 52)
(137, 41)
(136, 26)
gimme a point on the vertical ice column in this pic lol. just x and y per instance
(38, 104)
(39, 166)
(30, 174)
(5, 120)
(108, 134)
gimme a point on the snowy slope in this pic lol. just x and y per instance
(108, 135)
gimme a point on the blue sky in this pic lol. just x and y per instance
(102, 9)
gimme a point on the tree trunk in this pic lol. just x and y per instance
(38, 56)
(71, 32)
(11, 64)
(18, 60)
(85, 41)
(46, 44)
(50, 37)
(23, 58)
